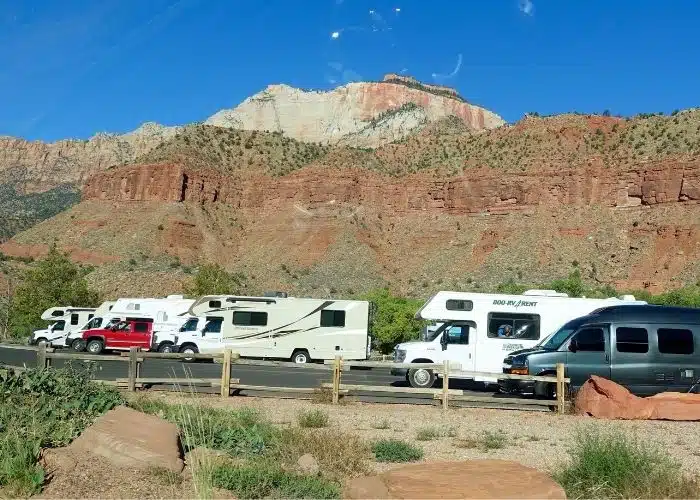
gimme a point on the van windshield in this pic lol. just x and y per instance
(554, 341)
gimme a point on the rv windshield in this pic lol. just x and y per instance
(432, 335)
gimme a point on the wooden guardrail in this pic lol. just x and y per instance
(134, 357)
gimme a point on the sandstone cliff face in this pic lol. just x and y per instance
(475, 191)
(347, 115)
(38, 166)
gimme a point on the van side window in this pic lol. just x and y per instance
(213, 325)
(631, 340)
(591, 340)
(330, 317)
(215, 304)
(74, 318)
(140, 327)
(675, 341)
(250, 318)
(514, 326)
(459, 305)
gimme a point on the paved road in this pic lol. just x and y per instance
(271, 376)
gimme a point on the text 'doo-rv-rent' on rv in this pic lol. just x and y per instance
(478, 330)
(277, 327)
(163, 313)
(63, 321)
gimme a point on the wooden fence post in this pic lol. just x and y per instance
(226, 374)
(336, 380)
(41, 356)
(445, 384)
(133, 367)
(561, 388)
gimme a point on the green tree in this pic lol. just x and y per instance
(212, 279)
(53, 281)
(393, 320)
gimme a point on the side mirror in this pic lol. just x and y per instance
(573, 345)
(443, 340)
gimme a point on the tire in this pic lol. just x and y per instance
(301, 357)
(166, 347)
(421, 378)
(189, 349)
(78, 345)
(94, 346)
(42, 339)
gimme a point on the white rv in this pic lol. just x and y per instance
(300, 329)
(167, 313)
(478, 329)
(63, 321)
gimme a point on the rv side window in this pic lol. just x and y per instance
(57, 313)
(632, 340)
(514, 326)
(215, 304)
(90, 316)
(332, 318)
(675, 341)
(458, 334)
(250, 318)
(74, 318)
(459, 305)
(213, 325)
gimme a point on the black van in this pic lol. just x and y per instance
(646, 348)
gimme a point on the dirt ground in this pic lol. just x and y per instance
(536, 439)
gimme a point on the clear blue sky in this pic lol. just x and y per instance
(71, 68)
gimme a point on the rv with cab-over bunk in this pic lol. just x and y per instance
(63, 322)
(275, 326)
(479, 329)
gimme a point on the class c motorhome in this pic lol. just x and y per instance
(167, 313)
(63, 321)
(648, 349)
(479, 329)
(278, 327)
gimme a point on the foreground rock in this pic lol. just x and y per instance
(602, 398)
(129, 438)
(468, 479)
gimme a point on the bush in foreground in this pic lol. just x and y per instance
(612, 465)
(40, 409)
(395, 450)
(313, 419)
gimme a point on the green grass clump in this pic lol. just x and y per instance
(266, 480)
(44, 409)
(613, 465)
(395, 450)
(431, 433)
(313, 419)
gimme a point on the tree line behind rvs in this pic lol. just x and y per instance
(56, 280)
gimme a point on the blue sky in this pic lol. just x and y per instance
(71, 68)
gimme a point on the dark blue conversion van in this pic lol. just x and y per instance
(646, 348)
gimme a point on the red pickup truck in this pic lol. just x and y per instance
(122, 335)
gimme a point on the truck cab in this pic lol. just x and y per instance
(120, 335)
(63, 322)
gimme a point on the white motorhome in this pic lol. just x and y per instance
(300, 329)
(167, 313)
(479, 329)
(63, 321)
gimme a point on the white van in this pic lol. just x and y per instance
(64, 320)
(479, 329)
(168, 313)
(300, 329)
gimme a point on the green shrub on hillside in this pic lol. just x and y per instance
(52, 281)
(212, 279)
(393, 320)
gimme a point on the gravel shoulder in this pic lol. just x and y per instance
(535, 439)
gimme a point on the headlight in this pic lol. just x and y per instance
(399, 355)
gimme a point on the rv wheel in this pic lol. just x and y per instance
(189, 349)
(301, 357)
(421, 378)
(42, 339)
(94, 346)
(78, 345)
(166, 347)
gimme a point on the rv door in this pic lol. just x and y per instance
(458, 341)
